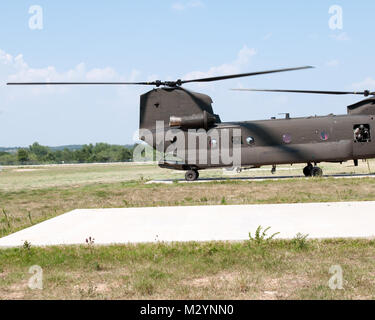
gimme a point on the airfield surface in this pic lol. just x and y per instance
(201, 223)
(260, 178)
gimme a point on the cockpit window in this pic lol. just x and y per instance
(362, 133)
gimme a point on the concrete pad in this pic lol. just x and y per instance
(260, 178)
(202, 223)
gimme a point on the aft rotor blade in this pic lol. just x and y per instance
(240, 75)
(363, 93)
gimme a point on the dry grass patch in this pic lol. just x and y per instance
(278, 269)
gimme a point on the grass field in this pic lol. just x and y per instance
(274, 270)
(269, 270)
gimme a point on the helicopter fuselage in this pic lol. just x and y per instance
(295, 140)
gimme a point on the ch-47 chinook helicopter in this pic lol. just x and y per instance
(310, 140)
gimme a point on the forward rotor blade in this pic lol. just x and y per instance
(79, 83)
(363, 93)
(240, 75)
(159, 83)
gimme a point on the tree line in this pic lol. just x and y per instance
(38, 154)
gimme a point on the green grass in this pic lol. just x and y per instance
(18, 178)
(213, 270)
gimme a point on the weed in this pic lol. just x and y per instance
(299, 242)
(223, 201)
(90, 244)
(6, 218)
(90, 241)
(261, 238)
(26, 245)
(258, 244)
(29, 216)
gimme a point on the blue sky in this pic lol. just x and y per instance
(148, 40)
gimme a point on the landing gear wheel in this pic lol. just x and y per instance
(307, 171)
(317, 172)
(273, 170)
(191, 175)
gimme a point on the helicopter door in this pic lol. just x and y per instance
(362, 138)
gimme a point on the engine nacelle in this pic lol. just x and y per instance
(202, 120)
(363, 107)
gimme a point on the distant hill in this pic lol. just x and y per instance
(72, 147)
(9, 150)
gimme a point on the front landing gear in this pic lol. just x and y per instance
(310, 171)
(191, 175)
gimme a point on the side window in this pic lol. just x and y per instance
(250, 141)
(362, 133)
(287, 138)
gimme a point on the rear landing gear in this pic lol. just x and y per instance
(310, 171)
(317, 172)
(191, 175)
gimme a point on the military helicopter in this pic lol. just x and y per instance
(310, 140)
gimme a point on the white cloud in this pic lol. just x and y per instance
(333, 63)
(17, 70)
(367, 84)
(5, 58)
(343, 36)
(62, 114)
(181, 6)
(243, 59)
(50, 73)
